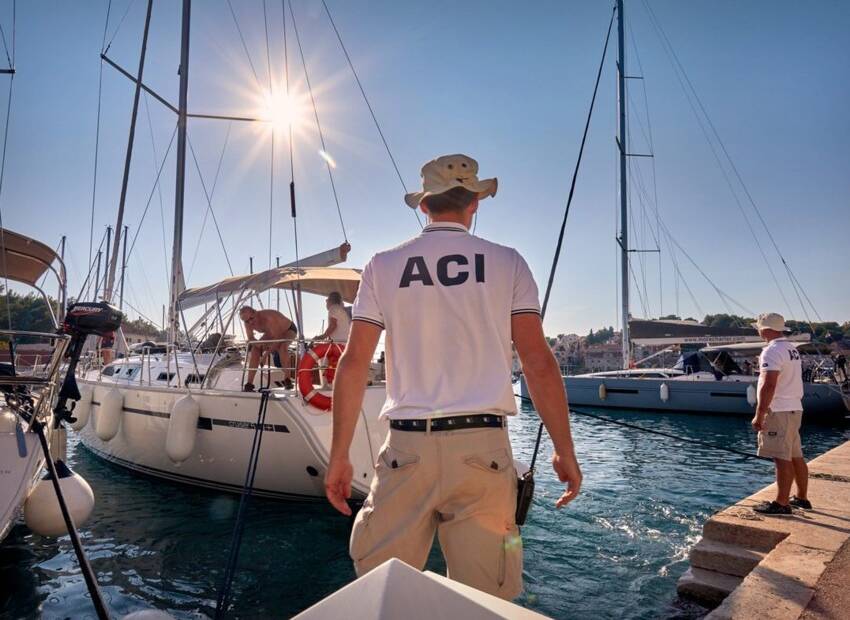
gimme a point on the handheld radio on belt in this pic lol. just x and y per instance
(525, 484)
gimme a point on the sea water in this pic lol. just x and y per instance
(615, 552)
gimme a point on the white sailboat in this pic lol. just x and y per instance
(25, 261)
(701, 388)
(181, 415)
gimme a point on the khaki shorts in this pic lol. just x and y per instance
(780, 438)
(459, 484)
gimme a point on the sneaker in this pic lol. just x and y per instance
(800, 503)
(248, 387)
(773, 508)
(287, 384)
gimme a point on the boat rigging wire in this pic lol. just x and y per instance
(224, 590)
(368, 105)
(212, 193)
(652, 431)
(5, 47)
(296, 302)
(560, 243)
(118, 27)
(86, 287)
(97, 129)
(208, 196)
(158, 185)
(132, 293)
(244, 45)
(6, 290)
(2, 177)
(705, 275)
(557, 255)
(318, 124)
(153, 189)
(654, 176)
(673, 57)
(271, 158)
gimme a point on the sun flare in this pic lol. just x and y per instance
(282, 111)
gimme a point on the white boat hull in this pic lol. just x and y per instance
(293, 455)
(21, 467)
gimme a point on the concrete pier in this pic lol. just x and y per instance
(749, 565)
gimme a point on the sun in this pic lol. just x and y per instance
(281, 111)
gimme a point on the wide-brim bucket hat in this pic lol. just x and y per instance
(447, 172)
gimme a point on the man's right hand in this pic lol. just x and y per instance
(567, 470)
(338, 484)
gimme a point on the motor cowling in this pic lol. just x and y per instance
(92, 318)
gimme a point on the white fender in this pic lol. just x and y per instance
(664, 392)
(752, 398)
(41, 510)
(182, 429)
(603, 391)
(82, 410)
(109, 417)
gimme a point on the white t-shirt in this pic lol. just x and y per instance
(781, 355)
(343, 323)
(445, 299)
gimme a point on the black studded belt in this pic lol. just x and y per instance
(452, 423)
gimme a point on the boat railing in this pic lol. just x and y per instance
(14, 385)
(173, 369)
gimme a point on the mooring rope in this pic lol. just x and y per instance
(652, 431)
(239, 526)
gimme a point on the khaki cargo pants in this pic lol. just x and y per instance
(460, 484)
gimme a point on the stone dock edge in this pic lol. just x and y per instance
(752, 566)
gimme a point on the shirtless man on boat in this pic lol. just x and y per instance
(274, 327)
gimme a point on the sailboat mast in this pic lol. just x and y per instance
(624, 199)
(177, 281)
(112, 268)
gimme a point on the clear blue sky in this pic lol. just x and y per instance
(506, 82)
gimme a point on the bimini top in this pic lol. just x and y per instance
(801, 341)
(26, 260)
(317, 280)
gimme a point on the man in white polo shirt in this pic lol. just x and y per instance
(451, 304)
(779, 413)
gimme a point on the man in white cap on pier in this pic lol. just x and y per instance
(779, 413)
(452, 304)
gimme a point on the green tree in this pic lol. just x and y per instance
(726, 320)
(25, 313)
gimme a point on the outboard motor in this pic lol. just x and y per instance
(62, 498)
(82, 320)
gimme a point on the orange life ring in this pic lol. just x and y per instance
(325, 350)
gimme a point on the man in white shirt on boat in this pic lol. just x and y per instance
(339, 321)
(451, 304)
(779, 413)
